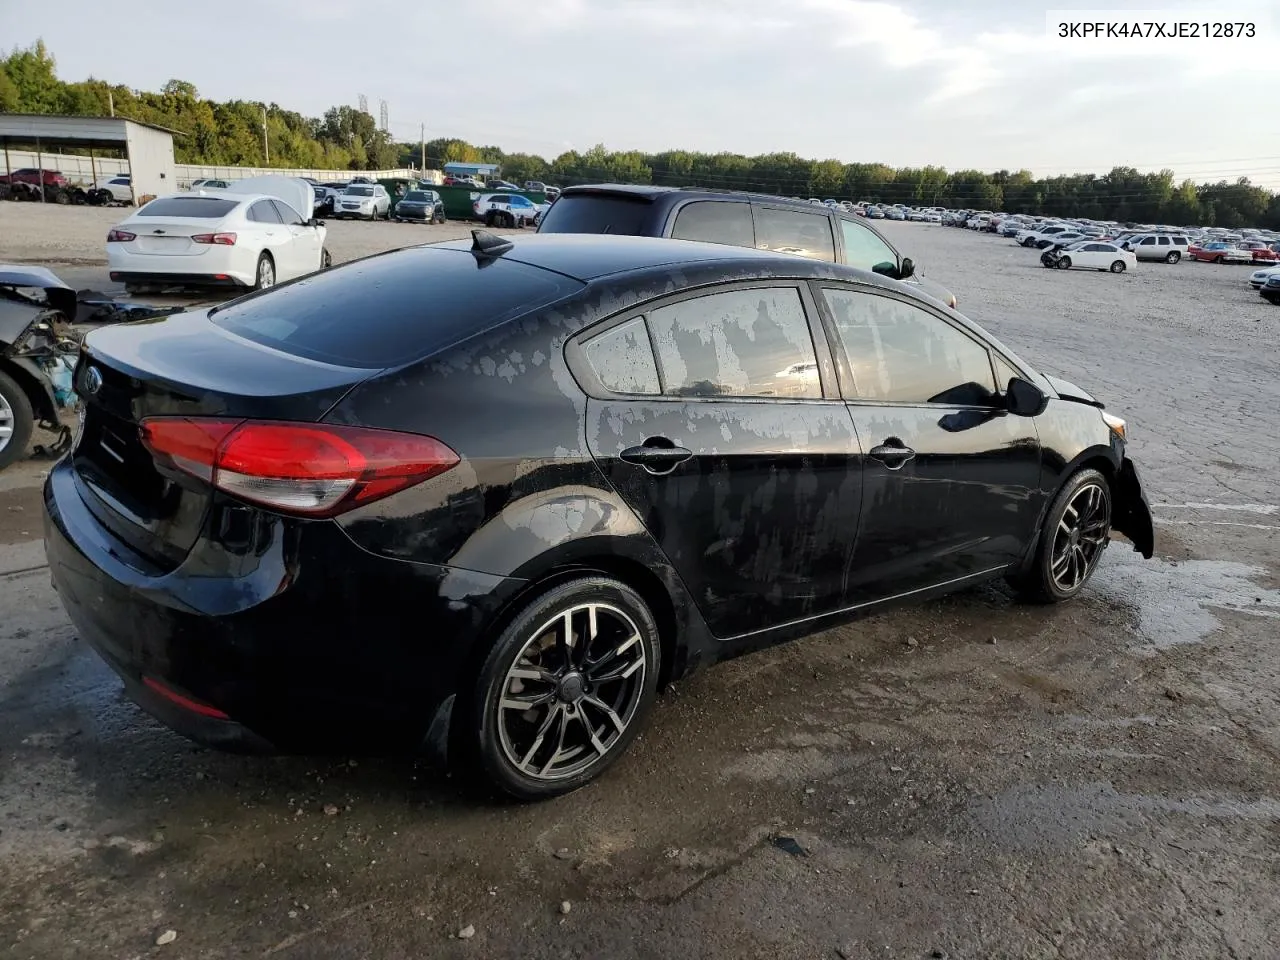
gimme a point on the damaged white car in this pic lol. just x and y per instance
(252, 234)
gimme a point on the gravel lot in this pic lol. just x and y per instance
(969, 778)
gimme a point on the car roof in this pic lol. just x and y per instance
(588, 257)
(654, 193)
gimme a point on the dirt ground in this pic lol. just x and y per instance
(970, 778)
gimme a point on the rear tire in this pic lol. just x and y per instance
(1118, 267)
(16, 420)
(1065, 560)
(265, 273)
(512, 748)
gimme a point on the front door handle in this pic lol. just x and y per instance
(893, 453)
(657, 455)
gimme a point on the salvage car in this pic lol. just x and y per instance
(541, 478)
(1270, 290)
(421, 206)
(252, 234)
(37, 356)
(1221, 252)
(1089, 255)
(744, 219)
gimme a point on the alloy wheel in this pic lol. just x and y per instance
(1080, 537)
(571, 693)
(266, 274)
(7, 422)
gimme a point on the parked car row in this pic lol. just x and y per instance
(52, 186)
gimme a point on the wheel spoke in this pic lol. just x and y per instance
(607, 710)
(526, 703)
(532, 673)
(594, 666)
(554, 712)
(555, 754)
(596, 742)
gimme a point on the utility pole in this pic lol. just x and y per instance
(111, 101)
(266, 152)
(423, 135)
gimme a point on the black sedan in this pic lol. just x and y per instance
(421, 206)
(539, 480)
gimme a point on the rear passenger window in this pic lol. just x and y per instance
(742, 343)
(716, 222)
(264, 212)
(1164, 241)
(795, 231)
(623, 359)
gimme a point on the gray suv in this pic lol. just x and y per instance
(740, 219)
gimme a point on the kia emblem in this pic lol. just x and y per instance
(92, 380)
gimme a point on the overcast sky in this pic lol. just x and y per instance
(959, 83)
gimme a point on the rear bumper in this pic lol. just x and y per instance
(179, 279)
(301, 643)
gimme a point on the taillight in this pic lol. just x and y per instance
(120, 236)
(221, 239)
(309, 469)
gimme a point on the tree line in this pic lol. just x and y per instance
(231, 133)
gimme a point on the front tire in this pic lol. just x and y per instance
(1064, 263)
(1076, 531)
(326, 258)
(1173, 257)
(1118, 267)
(565, 689)
(16, 420)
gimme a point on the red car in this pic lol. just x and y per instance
(52, 178)
(1261, 252)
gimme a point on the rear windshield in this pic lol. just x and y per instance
(392, 309)
(597, 213)
(197, 208)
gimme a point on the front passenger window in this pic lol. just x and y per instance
(900, 353)
(865, 250)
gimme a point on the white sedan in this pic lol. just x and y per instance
(1092, 255)
(120, 187)
(247, 235)
(1259, 277)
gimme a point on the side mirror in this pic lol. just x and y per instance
(1025, 399)
(907, 269)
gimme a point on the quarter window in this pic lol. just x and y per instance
(865, 250)
(623, 359)
(795, 231)
(741, 343)
(716, 222)
(900, 353)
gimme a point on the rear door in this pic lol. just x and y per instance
(785, 229)
(951, 480)
(274, 236)
(716, 417)
(304, 241)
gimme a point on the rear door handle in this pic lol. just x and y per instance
(893, 453)
(657, 455)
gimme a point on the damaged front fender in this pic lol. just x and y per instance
(1132, 514)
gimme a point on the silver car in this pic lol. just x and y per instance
(366, 201)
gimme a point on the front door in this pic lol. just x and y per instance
(951, 480)
(718, 421)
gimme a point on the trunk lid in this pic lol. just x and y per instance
(183, 365)
(170, 238)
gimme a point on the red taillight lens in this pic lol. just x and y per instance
(120, 236)
(221, 239)
(315, 470)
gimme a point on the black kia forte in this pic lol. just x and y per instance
(489, 497)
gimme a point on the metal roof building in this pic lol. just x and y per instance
(473, 169)
(149, 148)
